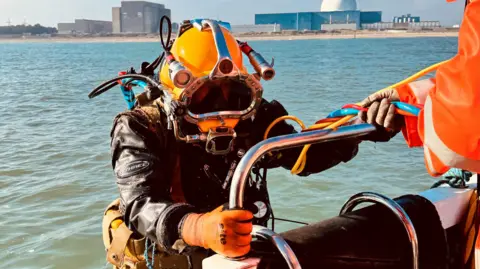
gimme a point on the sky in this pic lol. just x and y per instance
(50, 12)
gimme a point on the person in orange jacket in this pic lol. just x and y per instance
(448, 125)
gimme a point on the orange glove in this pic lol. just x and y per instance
(225, 232)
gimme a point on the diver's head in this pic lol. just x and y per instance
(207, 76)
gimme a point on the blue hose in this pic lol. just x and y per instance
(129, 97)
(343, 112)
(353, 111)
(129, 94)
(407, 107)
(138, 83)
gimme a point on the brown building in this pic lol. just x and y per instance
(139, 16)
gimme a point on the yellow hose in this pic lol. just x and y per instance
(320, 125)
(265, 136)
(302, 159)
(415, 76)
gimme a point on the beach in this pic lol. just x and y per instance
(245, 37)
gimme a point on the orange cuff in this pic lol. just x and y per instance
(191, 230)
(410, 131)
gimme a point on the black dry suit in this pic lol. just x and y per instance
(160, 180)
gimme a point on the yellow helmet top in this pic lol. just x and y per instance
(197, 51)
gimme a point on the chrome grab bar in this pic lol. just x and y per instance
(279, 242)
(245, 165)
(395, 208)
(283, 142)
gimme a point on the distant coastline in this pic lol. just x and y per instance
(291, 35)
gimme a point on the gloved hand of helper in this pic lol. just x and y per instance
(227, 232)
(381, 111)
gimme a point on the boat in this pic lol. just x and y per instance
(433, 229)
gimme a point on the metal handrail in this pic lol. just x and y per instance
(395, 208)
(245, 165)
(280, 243)
(283, 142)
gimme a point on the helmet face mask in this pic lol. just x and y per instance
(220, 91)
(220, 95)
(231, 88)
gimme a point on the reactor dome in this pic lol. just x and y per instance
(338, 5)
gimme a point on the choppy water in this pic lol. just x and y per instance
(55, 173)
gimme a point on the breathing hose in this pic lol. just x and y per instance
(348, 112)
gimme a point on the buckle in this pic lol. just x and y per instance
(220, 140)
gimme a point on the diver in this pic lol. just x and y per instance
(173, 172)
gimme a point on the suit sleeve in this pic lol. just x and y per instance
(447, 126)
(139, 159)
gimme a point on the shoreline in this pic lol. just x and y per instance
(243, 37)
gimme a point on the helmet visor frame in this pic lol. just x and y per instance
(247, 80)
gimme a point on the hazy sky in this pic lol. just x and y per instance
(50, 12)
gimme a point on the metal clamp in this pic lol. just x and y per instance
(395, 208)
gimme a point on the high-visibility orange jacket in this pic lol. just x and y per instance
(448, 126)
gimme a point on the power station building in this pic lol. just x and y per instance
(333, 15)
(138, 17)
(82, 26)
(404, 22)
(406, 19)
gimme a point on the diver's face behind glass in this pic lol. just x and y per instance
(221, 95)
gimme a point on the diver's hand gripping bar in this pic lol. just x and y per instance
(242, 172)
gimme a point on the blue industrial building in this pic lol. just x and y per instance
(406, 18)
(314, 20)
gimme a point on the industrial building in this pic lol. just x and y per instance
(424, 24)
(66, 28)
(404, 22)
(261, 28)
(405, 19)
(314, 20)
(116, 20)
(138, 17)
(415, 26)
(333, 15)
(82, 26)
(175, 27)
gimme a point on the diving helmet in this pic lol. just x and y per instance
(204, 75)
